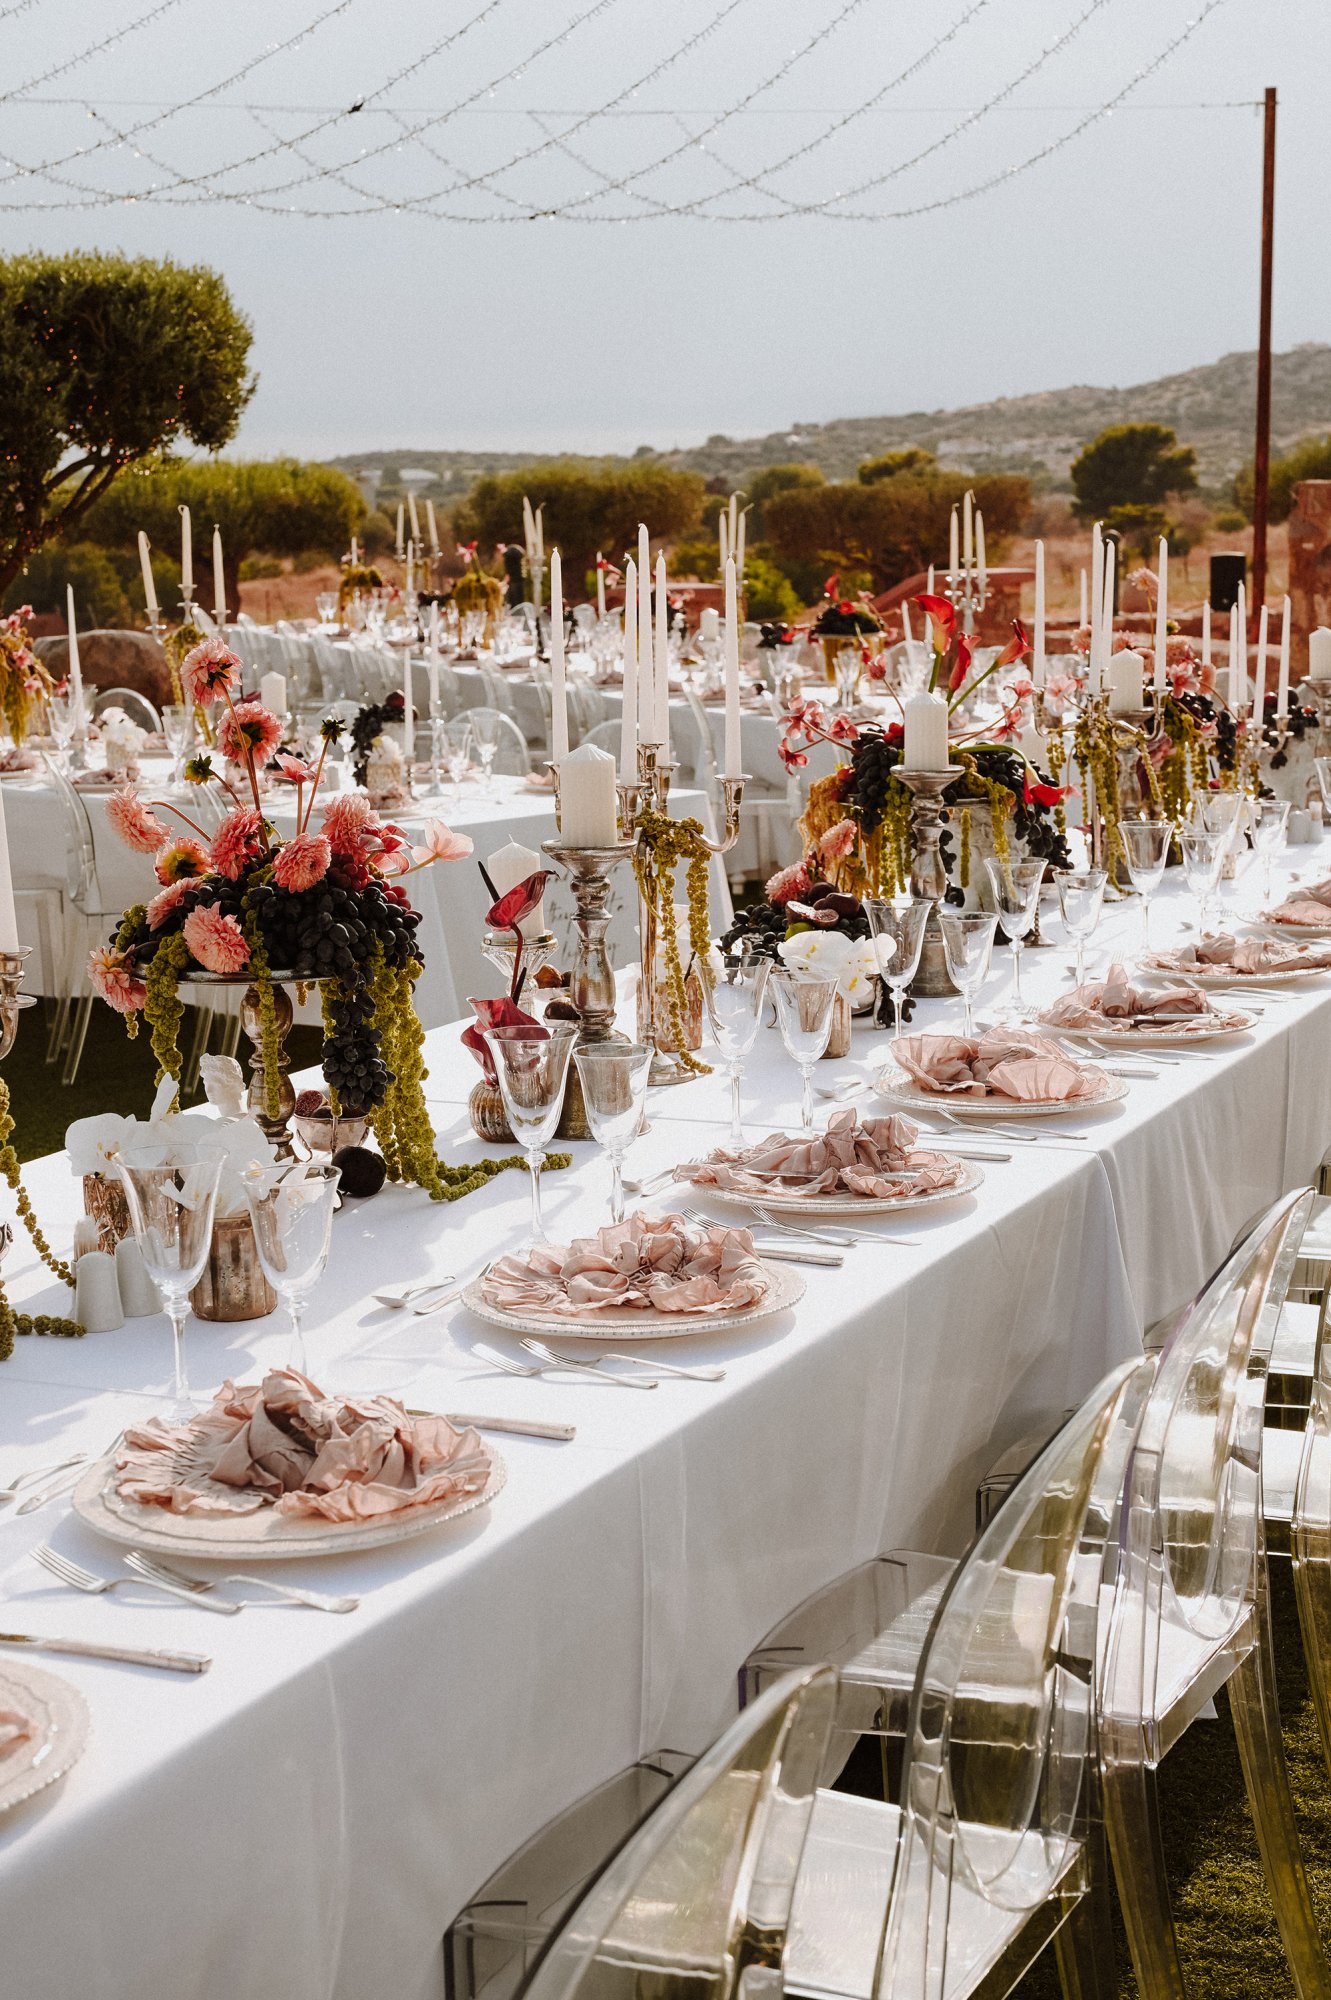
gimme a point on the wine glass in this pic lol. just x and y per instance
(326, 606)
(1081, 895)
(804, 1009)
(614, 1078)
(61, 719)
(1269, 823)
(177, 729)
(968, 943)
(532, 1068)
(457, 737)
(1203, 857)
(171, 1213)
(1146, 850)
(898, 930)
(1016, 886)
(292, 1214)
(735, 1009)
(485, 742)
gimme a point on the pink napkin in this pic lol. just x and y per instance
(1310, 904)
(664, 1264)
(1242, 955)
(1003, 1062)
(1114, 1002)
(14, 1729)
(876, 1159)
(282, 1443)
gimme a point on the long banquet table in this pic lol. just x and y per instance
(306, 1819)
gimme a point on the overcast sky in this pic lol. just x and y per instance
(1128, 253)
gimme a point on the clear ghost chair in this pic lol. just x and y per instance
(987, 1851)
(1187, 1611)
(698, 1900)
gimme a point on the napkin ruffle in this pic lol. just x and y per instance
(282, 1443)
(1310, 904)
(1250, 956)
(1000, 1063)
(1115, 1001)
(14, 1729)
(664, 1264)
(876, 1159)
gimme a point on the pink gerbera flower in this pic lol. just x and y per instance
(136, 824)
(249, 730)
(210, 669)
(182, 860)
(238, 841)
(837, 841)
(787, 884)
(167, 901)
(301, 862)
(216, 941)
(115, 977)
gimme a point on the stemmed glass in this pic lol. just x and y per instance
(1270, 822)
(1081, 895)
(60, 716)
(485, 742)
(171, 1213)
(177, 728)
(292, 1214)
(968, 943)
(804, 1008)
(897, 930)
(457, 736)
(735, 1009)
(326, 606)
(614, 1090)
(532, 1068)
(1203, 857)
(1146, 850)
(1016, 886)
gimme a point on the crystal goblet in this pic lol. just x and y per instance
(614, 1090)
(1081, 895)
(1016, 889)
(177, 729)
(1203, 857)
(1270, 823)
(292, 1213)
(1146, 850)
(968, 943)
(171, 1213)
(532, 1068)
(897, 929)
(735, 1011)
(804, 1008)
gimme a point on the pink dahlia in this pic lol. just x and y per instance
(136, 824)
(167, 901)
(301, 862)
(237, 841)
(115, 977)
(837, 841)
(209, 670)
(216, 941)
(249, 730)
(346, 820)
(182, 860)
(787, 884)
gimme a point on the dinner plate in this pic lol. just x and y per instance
(1291, 933)
(786, 1202)
(263, 1537)
(61, 1718)
(902, 1090)
(785, 1288)
(1167, 1036)
(1221, 979)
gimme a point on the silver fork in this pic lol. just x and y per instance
(837, 1234)
(284, 1593)
(78, 1578)
(530, 1373)
(659, 1367)
(547, 1354)
(10, 1492)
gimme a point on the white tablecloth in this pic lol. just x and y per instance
(306, 1819)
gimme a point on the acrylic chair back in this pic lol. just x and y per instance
(1001, 1727)
(700, 1896)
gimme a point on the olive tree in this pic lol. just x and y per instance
(586, 507)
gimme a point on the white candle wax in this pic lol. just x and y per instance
(186, 554)
(967, 530)
(1206, 632)
(415, 519)
(1096, 607)
(558, 690)
(507, 867)
(8, 917)
(924, 745)
(732, 764)
(588, 804)
(219, 578)
(661, 725)
(355, 550)
(1319, 654)
(982, 568)
(411, 567)
(739, 547)
(1127, 682)
(723, 539)
(1238, 691)
(628, 738)
(905, 622)
(600, 586)
(1161, 614)
(1038, 662)
(929, 580)
(273, 693)
(528, 529)
(75, 669)
(734, 523)
(149, 587)
(1234, 683)
(1259, 671)
(399, 543)
(1282, 679)
(408, 714)
(1081, 601)
(540, 538)
(646, 650)
(709, 622)
(953, 543)
(433, 526)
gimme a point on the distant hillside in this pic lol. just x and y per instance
(1211, 408)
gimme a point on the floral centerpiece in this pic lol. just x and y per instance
(477, 591)
(357, 580)
(324, 905)
(844, 619)
(24, 681)
(806, 923)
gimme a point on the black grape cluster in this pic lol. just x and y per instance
(759, 928)
(330, 931)
(352, 1063)
(873, 760)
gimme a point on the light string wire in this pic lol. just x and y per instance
(154, 13)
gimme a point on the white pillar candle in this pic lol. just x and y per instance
(1206, 632)
(588, 803)
(408, 713)
(1319, 654)
(415, 519)
(953, 545)
(646, 650)
(75, 669)
(661, 725)
(1161, 614)
(1282, 680)
(600, 585)
(733, 763)
(1038, 661)
(399, 543)
(8, 917)
(1081, 601)
(1127, 682)
(149, 587)
(924, 745)
(186, 555)
(219, 578)
(905, 621)
(433, 526)
(723, 539)
(1259, 672)
(507, 867)
(1096, 608)
(709, 623)
(273, 693)
(628, 738)
(558, 690)
(739, 547)
(982, 568)
(411, 567)
(929, 580)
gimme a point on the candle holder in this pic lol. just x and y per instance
(13, 965)
(968, 597)
(928, 877)
(276, 1130)
(591, 985)
(1317, 694)
(501, 950)
(1130, 728)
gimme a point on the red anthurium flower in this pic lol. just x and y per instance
(1017, 647)
(830, 587)
(1037, 793)
(942, 617)
(503, 1013)
(963, 665)
(519, 902)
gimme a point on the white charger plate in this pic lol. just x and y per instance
(1218, 978)
(786, 1202)
(1166, 1037)
(1291, 933)
(61, 1718)
(786, 1288)
(896, 1087)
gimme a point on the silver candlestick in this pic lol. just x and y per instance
(591, 985)
(968, 597)
(928, 877)
(12, 968)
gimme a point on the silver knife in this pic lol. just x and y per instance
(517, 1426)
(181, 1663)
(790, 1253)
(63, 1483)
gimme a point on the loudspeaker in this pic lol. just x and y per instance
(1227, 573)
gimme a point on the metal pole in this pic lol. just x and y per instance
(1261, 462)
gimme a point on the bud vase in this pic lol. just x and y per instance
(233, 1285)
